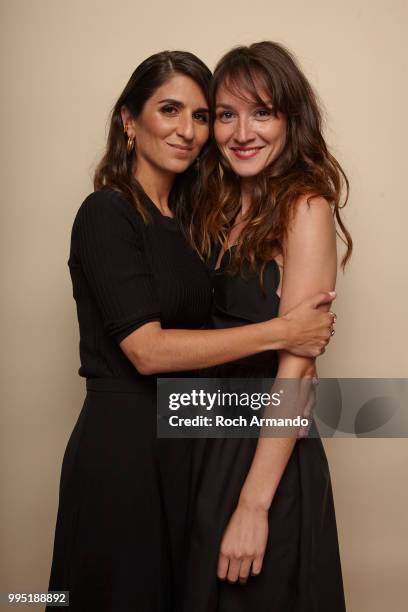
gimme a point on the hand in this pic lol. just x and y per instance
(308, 329)
(243, 544)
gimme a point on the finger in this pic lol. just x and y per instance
(257, 566)
(323, 298)
(328, 320)
(334, 316)
(245, 570)
(222, 568)
(233, 570)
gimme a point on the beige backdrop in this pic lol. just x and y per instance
(63, 64)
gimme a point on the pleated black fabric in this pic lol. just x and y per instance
(126, 273)
(121, 526)
(301, 570)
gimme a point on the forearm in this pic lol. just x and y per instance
(165, 350)
(272, 454)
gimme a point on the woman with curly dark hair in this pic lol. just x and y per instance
(262, 511)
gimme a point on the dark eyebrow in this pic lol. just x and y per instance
(182, 105)
(171, 101)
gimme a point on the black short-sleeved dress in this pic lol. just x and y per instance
(301, 570)
(123, 496)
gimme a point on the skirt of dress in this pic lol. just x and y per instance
(301, 569)
(121, 526)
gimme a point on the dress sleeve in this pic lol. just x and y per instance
(108, 241)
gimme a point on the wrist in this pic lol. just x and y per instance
(254, 502)
(278, 331)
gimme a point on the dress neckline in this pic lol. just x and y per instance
(217, 258)
(169, 222)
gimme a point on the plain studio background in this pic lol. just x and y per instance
(63, 65)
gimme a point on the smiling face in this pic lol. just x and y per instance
(172, 128)
(249, 134)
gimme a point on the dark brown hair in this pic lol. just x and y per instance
(115, 170)
(305, 167)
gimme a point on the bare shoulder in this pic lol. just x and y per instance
(311, 238)
(312, 219)
(313, 209)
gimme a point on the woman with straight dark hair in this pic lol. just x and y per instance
(142, 294)
(262, 510)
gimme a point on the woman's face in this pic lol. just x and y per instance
(172, 127)
(248, 134)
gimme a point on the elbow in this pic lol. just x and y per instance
(294, 367)
(141, 348)
(143, 362)
(143, 367)
(309, 370)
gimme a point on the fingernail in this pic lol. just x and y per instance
(332, 293)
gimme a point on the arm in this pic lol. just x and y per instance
(304, 330)
(108, 241)
(310, 264)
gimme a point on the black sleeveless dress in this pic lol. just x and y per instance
(301, 570)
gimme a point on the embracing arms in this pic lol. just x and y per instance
(303, 331)
(109, 248)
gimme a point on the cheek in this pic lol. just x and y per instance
(202, 135)
(281, 140)
(272, 133)
(221, 133)
(280, 133)
(159, 126)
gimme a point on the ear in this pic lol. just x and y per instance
(128, 122)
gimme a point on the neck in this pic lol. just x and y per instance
(156, 184)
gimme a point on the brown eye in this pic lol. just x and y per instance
(202, 117)
(169, 109)
(225, 116)
(263, 113)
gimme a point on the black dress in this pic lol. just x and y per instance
(121, 526)
(301, 569)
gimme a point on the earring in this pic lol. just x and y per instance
(130, 145)
(130, 141)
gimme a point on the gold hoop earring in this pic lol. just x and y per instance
(130, 145)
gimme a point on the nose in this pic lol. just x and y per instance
(243, 132)
(185, 127)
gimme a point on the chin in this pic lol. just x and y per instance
(178, 166)
(246, 172)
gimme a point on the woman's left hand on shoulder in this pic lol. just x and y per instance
(243, 544)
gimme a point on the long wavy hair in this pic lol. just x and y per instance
(305, 167)
(116, 168)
